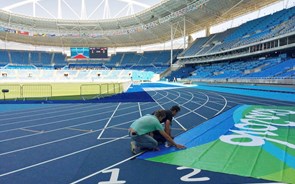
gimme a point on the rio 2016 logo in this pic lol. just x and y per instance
(258, 126)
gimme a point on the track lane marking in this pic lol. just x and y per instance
(63, 139)
(106, 125)
(61, 157)
(116, 164)
(188, 110)
(175, 119)
(139, 109)
(34, 131)
(63, 128)
(94, 114)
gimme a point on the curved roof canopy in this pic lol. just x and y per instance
(152, 25)
(77, 9)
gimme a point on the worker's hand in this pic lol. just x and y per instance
(179, 146)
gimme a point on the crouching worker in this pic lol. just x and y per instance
(167, 125)
(140, 129)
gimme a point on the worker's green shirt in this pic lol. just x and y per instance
(146, 124)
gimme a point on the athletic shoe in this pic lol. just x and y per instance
(133, 147)
(168, 144)
(156, 149)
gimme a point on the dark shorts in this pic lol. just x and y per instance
(158, 137)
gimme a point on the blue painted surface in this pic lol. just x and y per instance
(141, 171)
(202, 134)
(253, 93)
(54, 157)
(280, 154)
(139, 88)
(135, 95)
(256, 87)
(14, 107)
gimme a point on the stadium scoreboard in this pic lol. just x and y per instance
(89, 52)
(98, 52)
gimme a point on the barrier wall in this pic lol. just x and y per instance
(249, 81)
(17, 91)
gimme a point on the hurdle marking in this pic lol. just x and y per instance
(80, 130)
(34, 131)
(59, 140)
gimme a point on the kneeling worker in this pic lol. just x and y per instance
(140, 129)
(167, 124)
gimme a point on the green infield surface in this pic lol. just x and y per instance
(58, 91)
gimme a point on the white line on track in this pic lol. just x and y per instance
(151, 107)
(62, 120)
(188, 100)
(79, 130)
(164, 96)
(106, 125)
(224, 106)
(184, 93)
(178, 96)
(37, 110)
(63, 128)
(189, 109)
(175, 119)
(69, 155)
(207, 96)
(30, 115)
(34, 131)
(63, 139)
(207, 100)
(87, 148)
(50, 123)
(239, 99)
(53, 130)
(93, 174)
(61, 157)
(111, 138)
(29, 118)
(254, 100)
(139, 109)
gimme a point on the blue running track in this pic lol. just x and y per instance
(88, 142)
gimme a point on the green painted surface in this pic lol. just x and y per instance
(273, 159)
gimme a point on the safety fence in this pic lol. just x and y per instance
(58, 91)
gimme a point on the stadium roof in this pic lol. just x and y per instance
(152, 25)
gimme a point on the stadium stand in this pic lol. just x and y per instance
(157, 62)
(265, 68)
(231, 54)
(59, 60)
(250, 32)
(138, 66)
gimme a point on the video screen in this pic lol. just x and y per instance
(98, 52)
(80, 52)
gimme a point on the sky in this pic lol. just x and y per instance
(77, 9)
